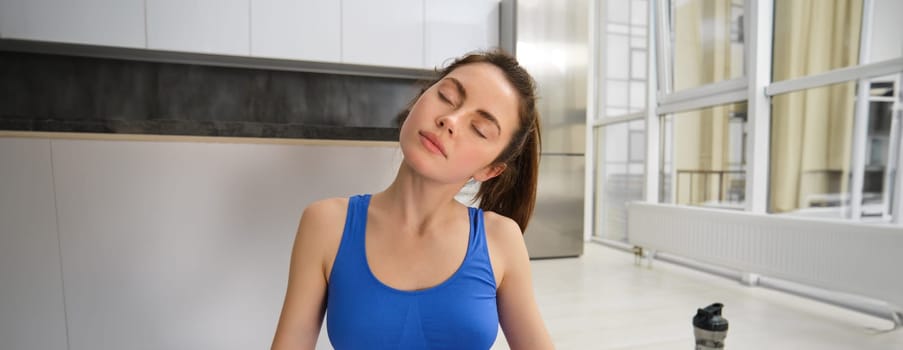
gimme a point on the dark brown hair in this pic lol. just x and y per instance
(513, 192)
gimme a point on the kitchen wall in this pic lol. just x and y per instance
(161, 243)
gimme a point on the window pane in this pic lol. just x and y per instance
(877, 179)
(811, 39)
(620, 177)
(811, 151)
(617, 56)
(618, 11)
(703, 159)
(886, 28)
(638, 64)
(666, 160)
(638, 42)
(616, 28)
(616, 93)
(638, 13)
(637, 96)
(708, 42)
(623, 56)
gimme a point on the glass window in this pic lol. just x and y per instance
(814, 39)
(886, 28)
(637, 96)
(617, 55)
(638, 13)
(618, 11)
(703, 158)
(618, 94)
(707, 40)
(623, 54)
(621, 151)
(638, 65)
(812, 150)
(878, 180)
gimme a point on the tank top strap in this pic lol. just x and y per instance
(356, 219)
(351, 256)
(478, 249)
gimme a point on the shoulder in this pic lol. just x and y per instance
(501, 228)
(506, 243)
(320, 228)
(321, 217)
(325, 210)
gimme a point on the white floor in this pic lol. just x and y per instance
(604, 301)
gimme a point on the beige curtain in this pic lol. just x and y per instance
(812, 129)
(703, 55)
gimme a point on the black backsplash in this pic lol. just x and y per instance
(41, 92)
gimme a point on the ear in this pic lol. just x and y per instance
(490, 172)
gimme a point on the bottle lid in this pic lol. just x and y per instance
(709, 318)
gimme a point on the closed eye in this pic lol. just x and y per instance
(477, 130)
(445, 99)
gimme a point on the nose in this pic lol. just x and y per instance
(448, 122)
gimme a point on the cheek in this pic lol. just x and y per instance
(478, 157)
(411, 121)
(420, 107)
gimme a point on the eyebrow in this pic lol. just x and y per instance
(486, 115)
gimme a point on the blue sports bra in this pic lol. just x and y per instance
(364, 313)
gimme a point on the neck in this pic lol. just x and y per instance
(416, 204)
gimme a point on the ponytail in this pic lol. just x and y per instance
(513, 192)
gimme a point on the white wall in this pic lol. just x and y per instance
(161, 245)
(31, 292)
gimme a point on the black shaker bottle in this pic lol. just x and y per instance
(710, 328)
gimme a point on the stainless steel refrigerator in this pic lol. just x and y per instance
(549, 39)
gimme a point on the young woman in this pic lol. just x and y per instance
(412, 268)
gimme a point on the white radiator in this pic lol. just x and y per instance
(842, 256)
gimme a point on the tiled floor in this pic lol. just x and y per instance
(603, 301)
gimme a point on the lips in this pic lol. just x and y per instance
(432, 143)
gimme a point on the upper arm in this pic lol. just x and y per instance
(305, 298)
(518, 312)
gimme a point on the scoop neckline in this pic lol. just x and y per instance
(447, 281)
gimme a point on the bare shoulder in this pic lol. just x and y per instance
(325, 210)
(321, 217)
(506, 243)
(502, 229)
(320, 229)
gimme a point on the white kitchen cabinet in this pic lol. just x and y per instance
(383, 33)
(455, 27)
(12, 20)
(202, 26)
(393, 33)
(96, 22)
(308, 30)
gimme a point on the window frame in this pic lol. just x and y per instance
(757, 89)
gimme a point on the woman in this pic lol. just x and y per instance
(412, 268)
